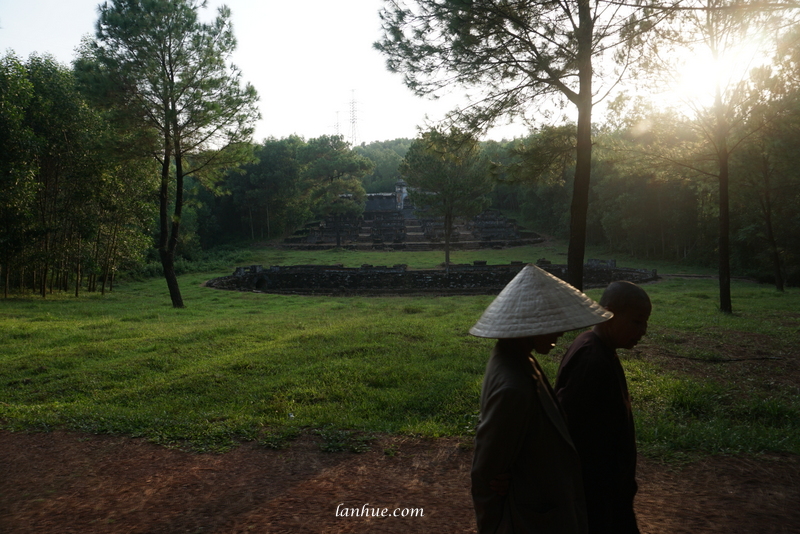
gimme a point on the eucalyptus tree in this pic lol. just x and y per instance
(17, 187)
(447, 174)
(65, 152)
(171, 74)
(517, 54)
(62, 188)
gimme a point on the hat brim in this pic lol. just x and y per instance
(536, 303)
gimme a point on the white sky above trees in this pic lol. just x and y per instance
(308, 59)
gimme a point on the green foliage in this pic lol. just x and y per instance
(169, 74)
(332, 173)
(447, 177)
(722, 117)
(17, 185)
(72, 210)
(267, 197)
(537, 175)
(513, 53)
(291, 181)
(545, 156)
(99, 216)
(174, 71)
(659, 209)
(765, 190)
(329, 157)
(448, 174)
(386, 156)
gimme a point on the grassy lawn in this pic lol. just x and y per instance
(244, 366)
(554, 251)
(416, 260)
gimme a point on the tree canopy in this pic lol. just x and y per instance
(151, 130)
(70, 206)
(738, 40)
(515, 53)
(171, 74)
(333, 172)
(448, 177)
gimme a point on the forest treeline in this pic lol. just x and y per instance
(79, 202)
(76, 209)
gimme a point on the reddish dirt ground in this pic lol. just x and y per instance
(60, 483)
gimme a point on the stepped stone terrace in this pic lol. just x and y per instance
(388, 222)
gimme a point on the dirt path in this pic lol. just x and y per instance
(60, 483)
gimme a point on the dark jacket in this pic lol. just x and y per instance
(522, 433)
(593, 392)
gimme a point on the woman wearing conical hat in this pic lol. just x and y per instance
(526, 475)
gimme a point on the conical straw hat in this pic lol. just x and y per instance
(534, 303)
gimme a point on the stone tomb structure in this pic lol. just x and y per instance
(388, 222)
(475, 278)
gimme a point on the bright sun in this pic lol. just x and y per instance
(697, 75)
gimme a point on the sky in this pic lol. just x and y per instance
(311, 61)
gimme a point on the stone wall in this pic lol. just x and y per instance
(476, 278)
(381, 202)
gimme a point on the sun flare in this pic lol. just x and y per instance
(696, 75)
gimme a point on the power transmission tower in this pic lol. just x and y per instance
(353, 120)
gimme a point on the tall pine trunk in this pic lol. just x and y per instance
(172, 280)
(583, 164)
(167, 234)
(723, 160)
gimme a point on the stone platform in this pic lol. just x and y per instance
(404, 229)
(460, 279)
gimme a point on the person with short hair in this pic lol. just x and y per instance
(593, 392)
(526, 475)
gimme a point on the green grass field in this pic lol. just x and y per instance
(245, 366)
(554, 251)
